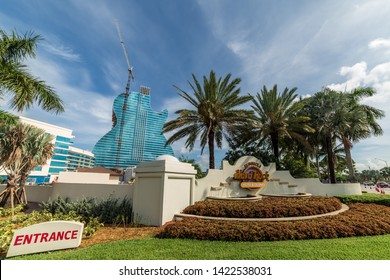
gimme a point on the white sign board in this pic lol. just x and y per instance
(48, 236)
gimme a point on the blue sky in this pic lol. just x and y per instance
(303, 44)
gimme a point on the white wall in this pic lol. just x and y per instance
(78, 191)
(86, 177)
(215, 178)
(100, 191)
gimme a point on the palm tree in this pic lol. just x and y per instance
(278, 116)
(14, 77)
(214, 112)
(38, 149)
(22, 148)
(339, 116)
(362, 120)
(328, 116)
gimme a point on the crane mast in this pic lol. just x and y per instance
(125, 100)
(129, 67)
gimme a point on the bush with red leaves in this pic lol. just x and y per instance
(274, 207)
(360, 220)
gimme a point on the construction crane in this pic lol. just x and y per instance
(129, 67)
(126, 97)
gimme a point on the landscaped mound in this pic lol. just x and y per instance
(265, 208)
(360, 220)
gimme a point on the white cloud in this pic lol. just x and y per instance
(87, 112)
(359, 75)
(203, 161)
(379, 43)
(62, 51)
(174, 104)
(356, 74)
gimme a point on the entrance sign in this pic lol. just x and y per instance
(251, 176)
(48, 236)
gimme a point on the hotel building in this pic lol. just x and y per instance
(136, 133)
(78, 158)
(65, 156)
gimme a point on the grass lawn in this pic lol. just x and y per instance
(354, 248)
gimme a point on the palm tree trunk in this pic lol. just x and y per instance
(22, 190)
(330, 155)
(275, 147)
(12, 190)
(348, 156)
(318, 163)
(211, 150)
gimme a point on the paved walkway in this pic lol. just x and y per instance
(344, 207)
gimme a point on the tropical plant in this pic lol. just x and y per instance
(338, 116)
(199, 172)
(328, 116)
(241, 143)
(385, 172)
(214, 112)
(15, 79)
(278, 117)
(362, 123)
(38, 149)
(22, 148)
(369, 175)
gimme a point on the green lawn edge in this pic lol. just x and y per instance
(353, 248)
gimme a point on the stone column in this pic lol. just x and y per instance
(163, 188)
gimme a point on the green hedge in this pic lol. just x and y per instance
(382, 199)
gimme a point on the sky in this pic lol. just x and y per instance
(292, 43)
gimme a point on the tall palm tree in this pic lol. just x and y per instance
(363, 123)
(278, 116)
(22, 148)
(328, 116)
(15, 79)
(214, 111)
(339, 116)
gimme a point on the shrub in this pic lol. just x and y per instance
(366, 198)
(109, 211)
(4, 212)
(265, 208)
(360, 220)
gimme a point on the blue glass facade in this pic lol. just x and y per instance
(136, 134)
(78, 160)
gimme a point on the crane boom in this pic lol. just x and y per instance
(129, 67)
(125, 100)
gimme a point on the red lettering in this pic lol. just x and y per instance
(60, 235)
(18, 240)
(52, 237)
(27, 239)
(36, 237)
(66, 234)
(44, 237)
(74, 234)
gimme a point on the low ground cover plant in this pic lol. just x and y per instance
(360, 220)
(265, 208)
